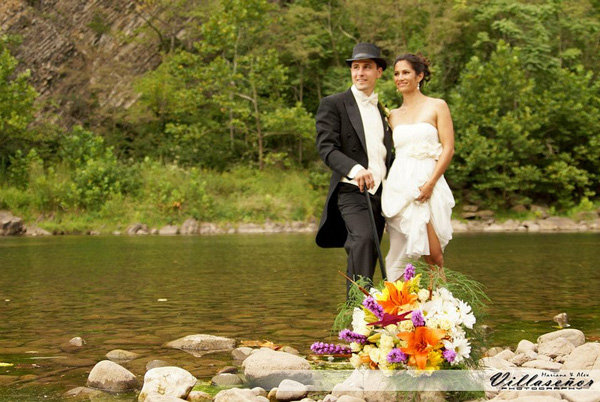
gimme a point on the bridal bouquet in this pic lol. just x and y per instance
(404, 326)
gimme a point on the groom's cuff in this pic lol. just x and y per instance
(354, 171)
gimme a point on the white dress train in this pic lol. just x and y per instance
(417, 150)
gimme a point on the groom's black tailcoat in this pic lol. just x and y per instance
(341, 144)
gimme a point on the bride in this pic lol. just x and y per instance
(416, 199)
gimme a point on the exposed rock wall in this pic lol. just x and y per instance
(83, 55)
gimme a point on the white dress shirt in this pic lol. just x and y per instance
(373, 127)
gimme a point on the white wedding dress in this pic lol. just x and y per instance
(417, 150)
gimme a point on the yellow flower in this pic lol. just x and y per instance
(396, 297)
(420, 344)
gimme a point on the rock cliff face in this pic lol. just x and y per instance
(83, 55)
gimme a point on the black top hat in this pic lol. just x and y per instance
(363, 51)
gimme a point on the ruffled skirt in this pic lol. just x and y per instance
(410, 217)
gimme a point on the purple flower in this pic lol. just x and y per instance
(417, 318)
(349, 336)
(374, 307)
(449, 355)
(322, 348)
(397, 356)
(409, 272)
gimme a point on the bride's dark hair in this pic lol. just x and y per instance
(419, 63)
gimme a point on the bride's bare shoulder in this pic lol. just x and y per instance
(436, 101)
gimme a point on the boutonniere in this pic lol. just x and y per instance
(385, 110)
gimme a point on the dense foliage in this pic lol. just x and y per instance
(239, 91)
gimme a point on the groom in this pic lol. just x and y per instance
(355, 141)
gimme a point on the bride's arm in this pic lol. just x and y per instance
(446, 135)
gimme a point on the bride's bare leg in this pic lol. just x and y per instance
(436, 256)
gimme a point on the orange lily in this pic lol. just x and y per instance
(420, 342)
(396, 300)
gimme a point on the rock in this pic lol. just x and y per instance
(137, 229)
(10, 225)
(267, 368)
(290, 390)
(156, 397)
(543, 357)
(532, 226)
(156, 363)
(485, 214)
(34, 231)
(547, 225)
(521, 358)
(83, 392)
(169, 381)
(169, 230)
(291, 350)
(562, 320)
(111, 377)
(494, 351)
(202, 342)
(562, 223)
(189, 227)
(249, 228)
(349, 398)
(475, 226)
(525, 346)
(496, 363)
(77, 341)
(272, 395)
(239, 395)
(116, 233)
(581, 396)
(228, 369)
(226, 379)
(258, 391)
(199, 396)
(524, 395)
(506, 354)
(494, 228)
(458, 226)
(511, 225)
(584, 357)
(154, 231)
(575, 336)
(556, 347)
(470, 208)
(241, 353)
(121, 355)
(207, 228)
(74, 345)
(330, 398)
(468, 215)
(542, 365)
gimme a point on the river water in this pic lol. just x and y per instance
(111, 291)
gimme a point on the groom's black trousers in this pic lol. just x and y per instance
(359, 245)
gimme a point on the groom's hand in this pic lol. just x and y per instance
(364, 178)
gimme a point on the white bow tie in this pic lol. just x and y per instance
(372, 99)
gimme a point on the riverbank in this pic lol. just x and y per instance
(11, 225)
(261, 371)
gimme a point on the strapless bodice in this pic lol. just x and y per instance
(417, 140)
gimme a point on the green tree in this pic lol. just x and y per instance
(497, 156)
(16, 103)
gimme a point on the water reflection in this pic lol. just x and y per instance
(276, 287)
